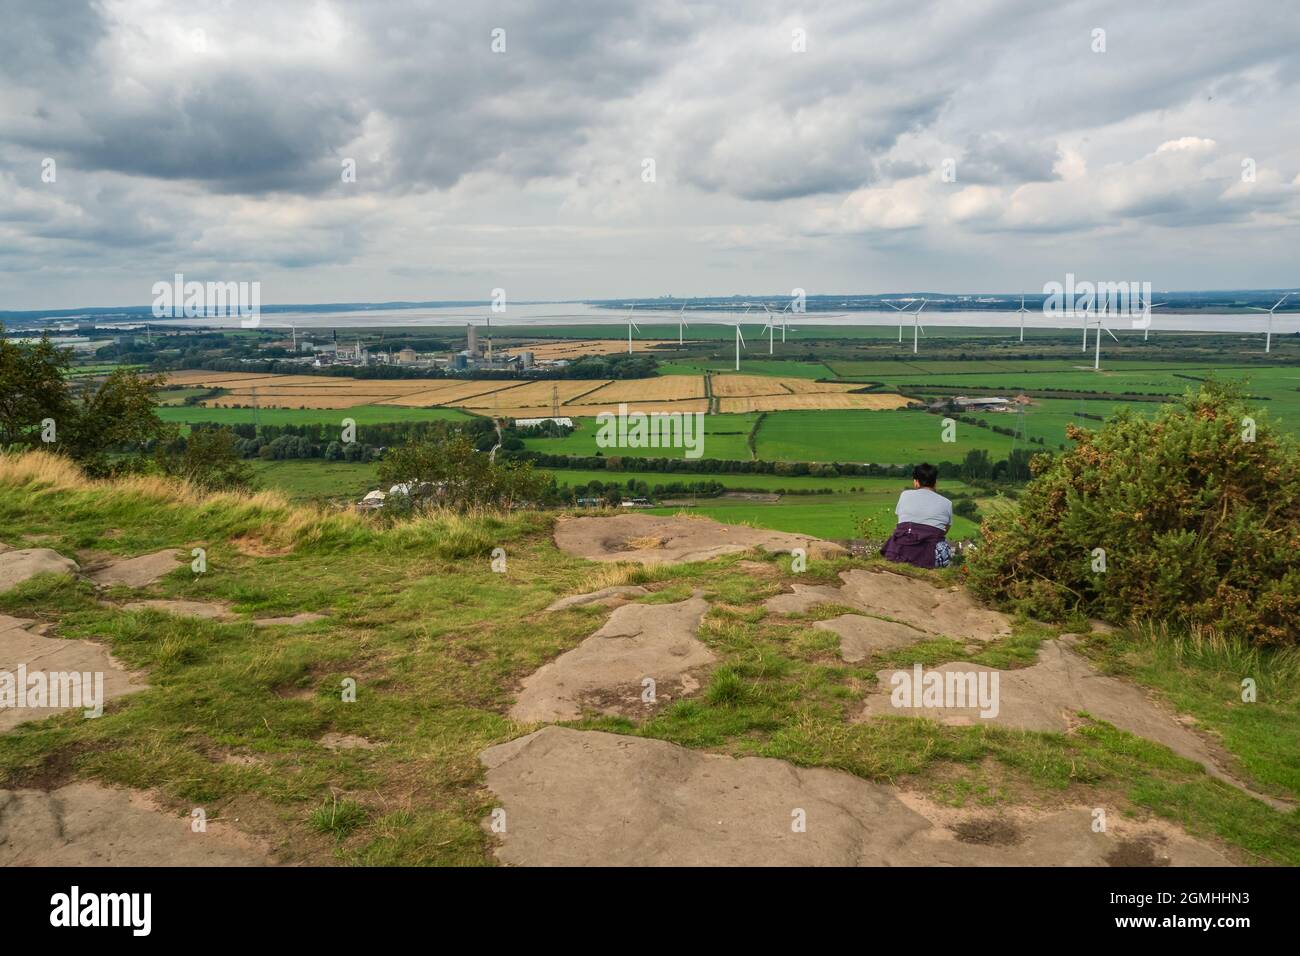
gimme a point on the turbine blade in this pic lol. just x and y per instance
(1109, 332)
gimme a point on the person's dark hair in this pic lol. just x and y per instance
(926, 474)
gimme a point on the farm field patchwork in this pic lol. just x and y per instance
(530, 399)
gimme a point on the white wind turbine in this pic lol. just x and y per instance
(1087, 320)
(916, 326)
(769, 328)
(630, 326)
(1022, 312)
(1146, 314)
(782, 314)
(740, 343)
(1268, 335)
(900, 320)
(1101, 324)
(681, 323)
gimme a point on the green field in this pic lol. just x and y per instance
(885, 437)
(764, 483)
(830, 516)
(310, 479)
(725, 438)
(784, 368)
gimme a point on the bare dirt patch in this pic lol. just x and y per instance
(137, 572)
(652, 539)
(17, 566)
(1050, 694)
(20, 646)
(579, 798)
(86, 824)
(605, 672)
(951, 612)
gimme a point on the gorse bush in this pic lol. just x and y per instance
(1197, 523)
(454, 474)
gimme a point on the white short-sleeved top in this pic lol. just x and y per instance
(925, 506)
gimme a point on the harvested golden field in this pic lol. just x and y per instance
(588, 411)
(536, 393)
(668, 388)
(818, 400)
(532, 399)
(551, 351)
(804, 386)
(449, 393)
(201, 378)
(245, 401)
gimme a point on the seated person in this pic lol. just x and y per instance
(924, 517)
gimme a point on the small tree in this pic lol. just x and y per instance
(455, 474)
(209, 458)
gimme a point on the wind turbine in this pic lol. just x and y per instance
(782, 315)
(1268, 336)
(770, 329)
(681, 323)
(1101, 324)
(1023, 312)
(1146, 309)
(900, 319)
(740, 343)
(916, 326)
(630, 326)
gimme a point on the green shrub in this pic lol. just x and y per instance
(1198, 525)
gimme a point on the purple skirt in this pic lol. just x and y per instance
(912, 543)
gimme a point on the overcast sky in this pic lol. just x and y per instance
(793, 145)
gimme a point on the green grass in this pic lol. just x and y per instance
(739, 481)
(724, 438)
(824, 516)
(437, 645)
(784, 368)
(311, 479)
(881, 437)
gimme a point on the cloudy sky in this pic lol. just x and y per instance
(643, 147)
